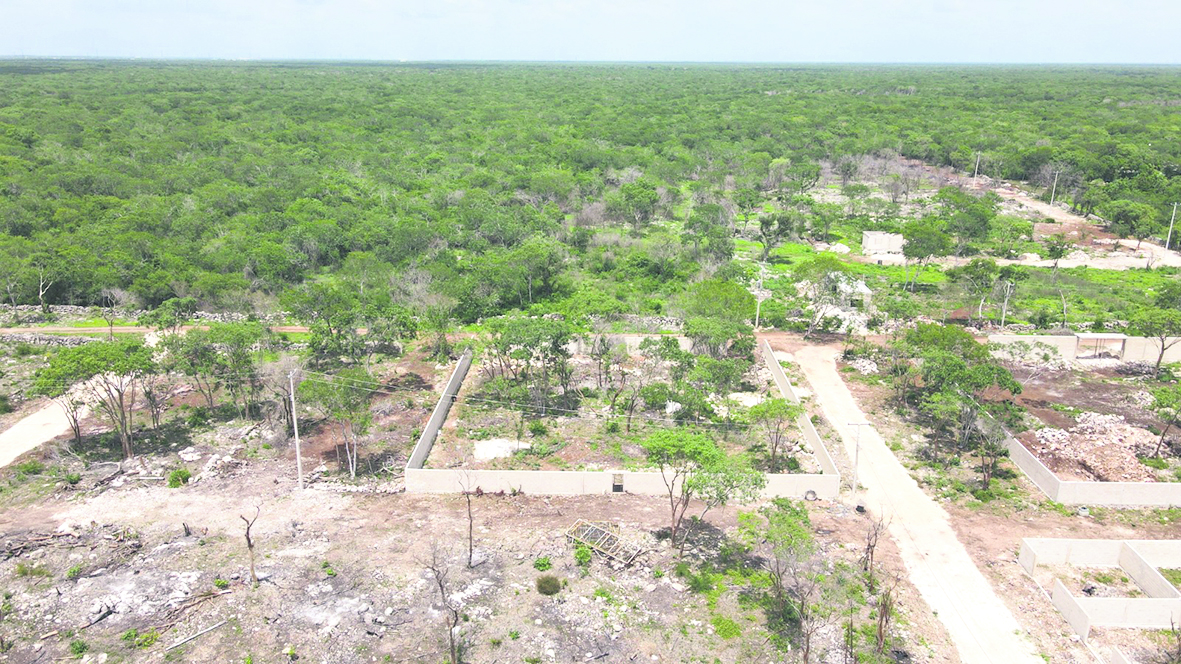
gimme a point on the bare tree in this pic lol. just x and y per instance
(154, 388)
(886, 610)
(465, 483)
(114, 299)
(250, 543)
(276, 379)
(439, 570)
(872, 535)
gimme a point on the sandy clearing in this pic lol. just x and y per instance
(981, 626)
(38, 428)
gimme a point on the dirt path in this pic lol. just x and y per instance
(40, 427)
(982, 628)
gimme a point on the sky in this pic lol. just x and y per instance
(1002, 31)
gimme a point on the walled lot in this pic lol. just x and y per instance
(583, 432)
(1076, 444)
(342, 575)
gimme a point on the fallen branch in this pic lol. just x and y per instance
(102, 616)
(204, 631)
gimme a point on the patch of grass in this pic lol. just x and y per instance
(220, 583)
(25, 569)
(1154, 462)
(31, 467)
(725, 627)
(548, 584)
(136, 640)
(78, 647)
(327, 567)
(74, 572)
(605, 594)
(179, 477)
(1173, 575)
(542, 564)
(514, 634)
(582, 555)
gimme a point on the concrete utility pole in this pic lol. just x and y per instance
(857, 458)
(976, 170)
(759, 299)
(1169, 240)
(295, 428)
(1055, 189)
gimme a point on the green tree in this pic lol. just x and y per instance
(924, 239)
(106, 372)
(979, 278)
(1056, 248)
(171, 315)
(343, 399)
(1130, 219)
(775, 417)
(695, 468)
(1166, 404)
(1162, 325)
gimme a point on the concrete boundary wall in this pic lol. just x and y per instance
(560, 482)
(1151, 581)
(1140, 559)
(1136, 349)
(426, 440)
(1110, 494)
(805, 423)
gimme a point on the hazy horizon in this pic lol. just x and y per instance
(948, 32)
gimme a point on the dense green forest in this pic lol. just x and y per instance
(498, 187)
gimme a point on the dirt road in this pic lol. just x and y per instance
(980, 625)
(41, 427)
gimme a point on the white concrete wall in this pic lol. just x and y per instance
(879, 242)
(1152, 582)
(426, 440)
(819, 449)
(1135, 612)
(572, 483)
(1034, 469)
(1136, 349)
(1081, 552)
(1070, 609)
(1110, 494)
(1120, 494)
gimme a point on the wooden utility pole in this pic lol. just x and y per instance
(976, 170)
(1055, 189)
(295, 428)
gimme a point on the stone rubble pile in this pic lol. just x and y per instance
(1105, 446)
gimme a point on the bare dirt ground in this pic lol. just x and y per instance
(116, 566)
(342, 577)
(983, 628)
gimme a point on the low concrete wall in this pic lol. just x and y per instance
(574, 482)
(561, 482)
(1081, 552)
(1034, 469)
(1140, 559)
(1120, 494)
(1070, 609)
(1152, 582)
(1110, 494)
(1136, 349)
(819, 449)
(1134, 612)
(426, 440)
